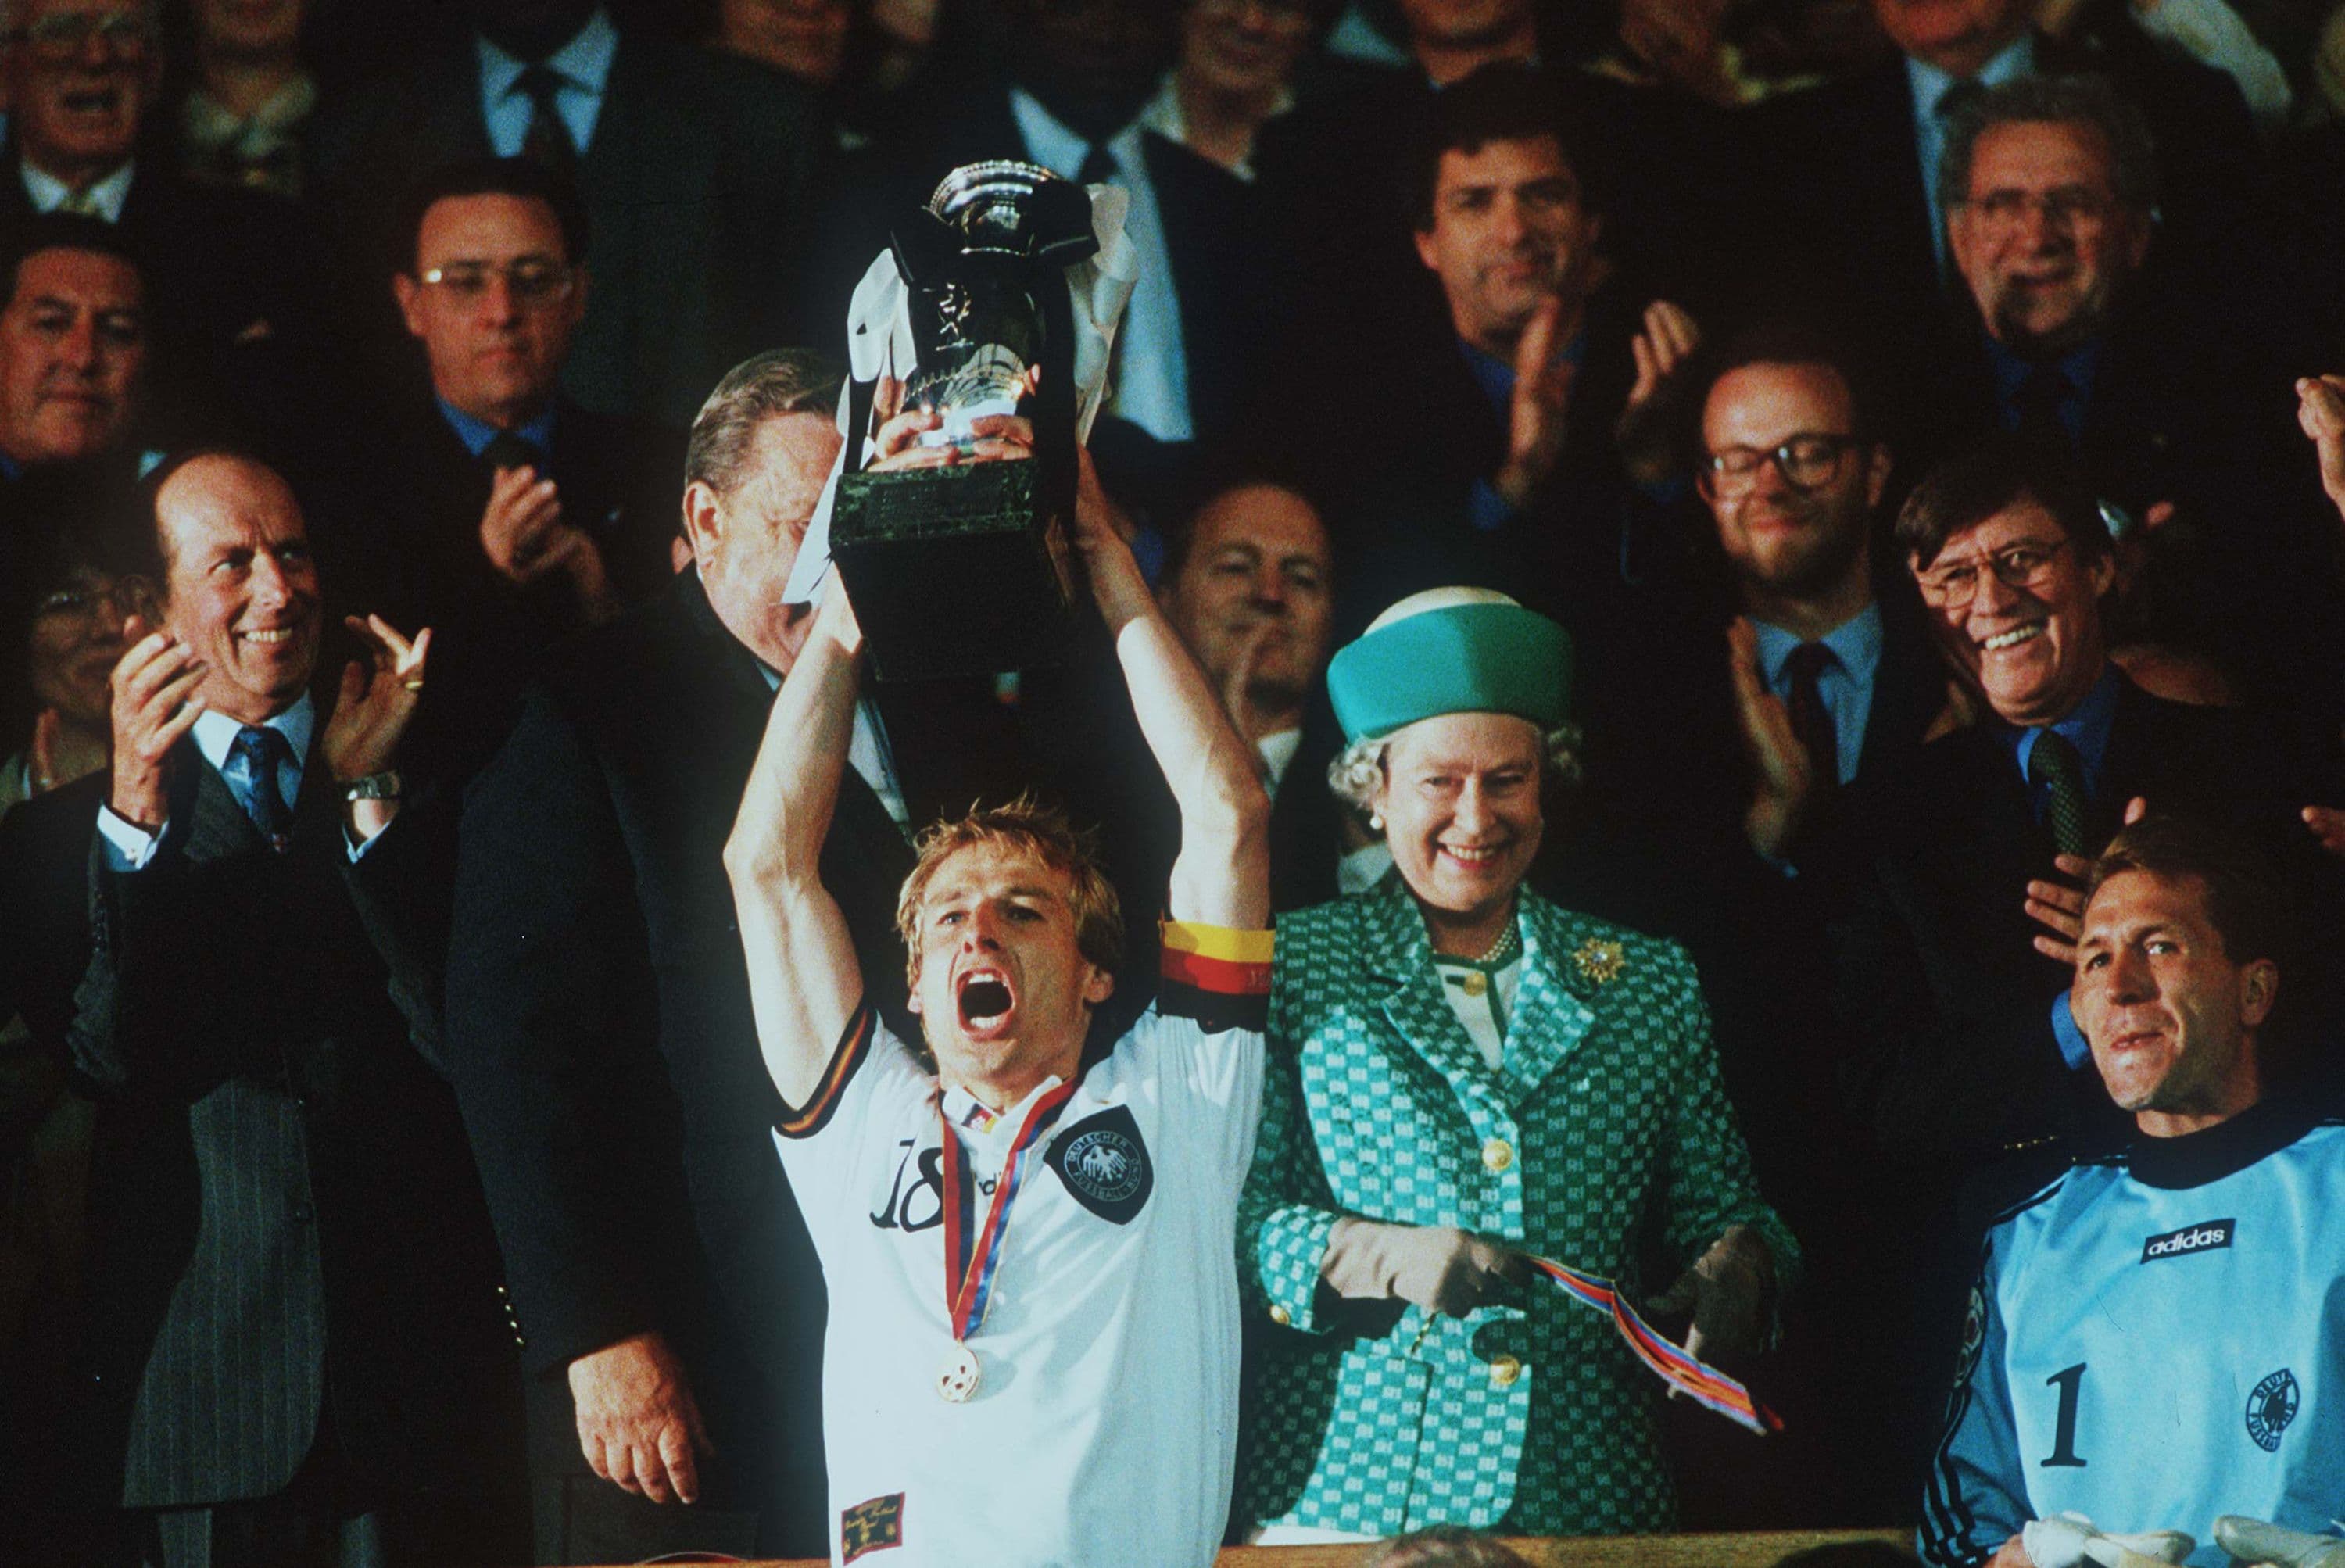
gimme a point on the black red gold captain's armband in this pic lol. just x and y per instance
(1218, 977)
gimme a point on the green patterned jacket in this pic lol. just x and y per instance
(1606, 1136)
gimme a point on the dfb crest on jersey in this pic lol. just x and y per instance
(2271, 1407)
(1104, 1163)
(1966, 1359)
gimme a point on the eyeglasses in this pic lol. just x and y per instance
(2022, 565)
(128, 35)
(108, 602)
(2068, 209)
(1804, 462)
(534, 280)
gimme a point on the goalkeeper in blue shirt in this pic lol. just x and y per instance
(2156, 1338)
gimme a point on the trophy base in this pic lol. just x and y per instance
(952, 570)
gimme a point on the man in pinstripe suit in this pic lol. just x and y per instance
(293, 1326)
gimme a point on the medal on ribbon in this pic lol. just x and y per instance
(973, 1262)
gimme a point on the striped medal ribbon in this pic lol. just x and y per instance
(1698, 1381)
(972, 1263)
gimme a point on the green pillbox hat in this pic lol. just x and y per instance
(1487, 655)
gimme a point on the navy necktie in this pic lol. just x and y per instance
(264, 751)
(547, 140)
(2059, 768)
(1099, 167)
(1812, 721)
(508, 449)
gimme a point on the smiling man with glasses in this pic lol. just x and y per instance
(1953, 952)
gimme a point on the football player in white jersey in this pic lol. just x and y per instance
(1032, 1350)
(2157, 1336)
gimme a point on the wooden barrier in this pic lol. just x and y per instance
(1758, 1551)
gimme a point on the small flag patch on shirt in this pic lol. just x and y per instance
(873, 1526)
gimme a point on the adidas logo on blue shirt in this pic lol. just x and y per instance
(2203, 1237)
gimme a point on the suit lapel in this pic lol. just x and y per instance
(1908, 690)
(1401, 958)
(1550, 1020)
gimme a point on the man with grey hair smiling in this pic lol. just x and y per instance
(599, 1018)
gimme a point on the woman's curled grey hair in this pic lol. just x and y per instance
(1359, 767)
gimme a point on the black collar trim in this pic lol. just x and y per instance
(2197, 1158)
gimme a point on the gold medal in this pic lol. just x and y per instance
(958, 1379)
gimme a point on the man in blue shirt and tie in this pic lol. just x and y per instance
(276, 1350)
(499, 511)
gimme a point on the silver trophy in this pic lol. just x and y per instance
(962, 569)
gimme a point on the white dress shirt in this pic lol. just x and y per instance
(104, 199)
(1150, 387)
(1930, 84)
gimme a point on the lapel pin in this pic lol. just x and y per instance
(1600, 959)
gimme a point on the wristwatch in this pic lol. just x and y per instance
(382, 786)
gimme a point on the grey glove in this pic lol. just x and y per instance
(1437, 1268)
(1728, 1291)
(2253, 1540)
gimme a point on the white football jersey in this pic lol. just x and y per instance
(1103, 1425)
(2156, 1339)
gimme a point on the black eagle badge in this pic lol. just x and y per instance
(1104, 1163)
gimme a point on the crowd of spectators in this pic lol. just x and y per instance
(1919, 415)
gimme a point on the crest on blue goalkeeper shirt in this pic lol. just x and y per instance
(2271, 1407)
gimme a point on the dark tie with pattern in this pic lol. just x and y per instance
(2037, 403)
(2056, 765)
(1812, 721)
(548, 139)
(264, 751)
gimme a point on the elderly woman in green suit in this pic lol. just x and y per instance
(1461, 1074)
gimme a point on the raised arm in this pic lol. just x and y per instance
(804, 980)
(1222, 876)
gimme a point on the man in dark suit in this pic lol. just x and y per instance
(600, 1023)
(1248, 584)
(1952, 951)
(1730, 709)
(230, 271)
(1520, 369)
(1840, 208)
(488, 503)
(280, 1362)
(698, 170)
(2172, 406)
(1185, 373)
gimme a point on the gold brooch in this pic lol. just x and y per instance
(1600, 959)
